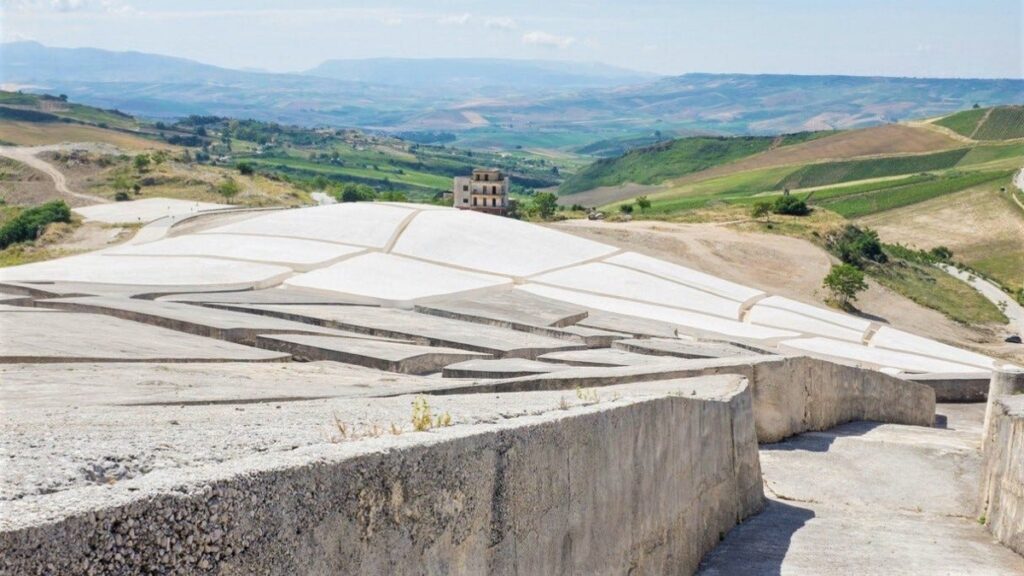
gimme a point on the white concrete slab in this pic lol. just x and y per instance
(838, 318)
(392, 279)
(893, 339)
(144, 211)
(492, 243)
(684, 275)
(100, 268)
(779, 318)
(622, 282)
(877, 357)
(682, 318)
(298, 254)
(356, 223)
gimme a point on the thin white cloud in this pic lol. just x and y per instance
(458, 19)
(540, 38)
(500, 23)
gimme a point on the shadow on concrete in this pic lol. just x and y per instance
(758, 547)
(821, 441)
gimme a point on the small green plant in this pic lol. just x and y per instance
(142, 162)
(423, 419)
(643, 203)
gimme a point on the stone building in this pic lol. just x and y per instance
(485, 191)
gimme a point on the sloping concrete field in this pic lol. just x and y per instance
(390, 388)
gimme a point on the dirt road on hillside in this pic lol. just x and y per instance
(28, 156)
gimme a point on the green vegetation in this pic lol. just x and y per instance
(660, 162)
(1003, 123)
(999, 123)
(888, 198)
(28, 224)
(963, 123)
(844, 282)
(849, 170)
(790, 205)
(911, 273)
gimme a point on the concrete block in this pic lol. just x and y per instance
(366, 224)
(503, 497)
(615, 281)
(393, 280)
(680, 348)
(382, 355)
(419, 328)
(46, 336)
(684, 275)
(294, 253)
(143, 272)
(694, 322)
(494, 245)
(145, 210)
(1002, 486)
(500, 368)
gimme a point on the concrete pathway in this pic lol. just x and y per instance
(27, 155)
(870, 499)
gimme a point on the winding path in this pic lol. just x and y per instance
(27, 156)
(1013, 311)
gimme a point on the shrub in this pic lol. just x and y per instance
(121, 196)
(643, 203)
(790, 205)
(245, 169)
(29, 223)
(141, 162)
(229, 188)
(844, 282)
(761, 209)
(626, 208)
(355, 193)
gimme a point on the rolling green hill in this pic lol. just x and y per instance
(999, 123)
(663, 161)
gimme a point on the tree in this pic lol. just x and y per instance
(245, 169)
(229, 188)
(122, 184)
(643, 203)
(761, 209)
(856, 246)
(626, 208)
(546, 203)
(844, 282)
(141, 162)
(63, 97)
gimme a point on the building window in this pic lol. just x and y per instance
(465, 200)
(487, 177)
(494, 201)
(465, 187)
(474, 201)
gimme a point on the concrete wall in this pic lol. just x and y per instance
(637, 485)
(791, 394)
(1002, 489)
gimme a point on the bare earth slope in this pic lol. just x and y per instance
(786, 266)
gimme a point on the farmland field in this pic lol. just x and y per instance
(963, 123)
(850, 170)
(857, 205)
(1004, 123)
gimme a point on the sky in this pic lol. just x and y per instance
(923, 38)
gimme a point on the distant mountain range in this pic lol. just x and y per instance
(490, 102)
